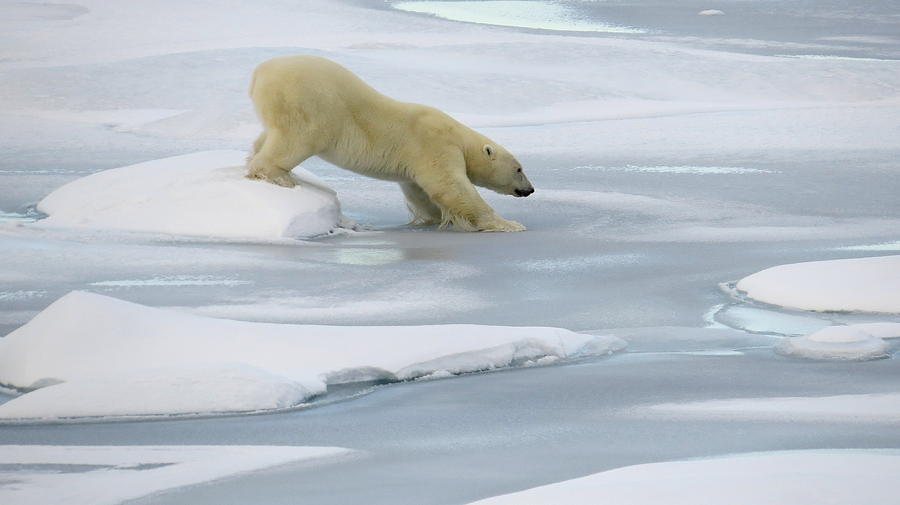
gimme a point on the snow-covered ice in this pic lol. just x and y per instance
(863, 408)
(201, 194)
(108, 475)
(836, 477)
(89, 355)
(857, 284)
(856, 342)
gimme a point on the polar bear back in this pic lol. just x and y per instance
(343, 120)
(311, 86)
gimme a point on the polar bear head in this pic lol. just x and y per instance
(496, 169)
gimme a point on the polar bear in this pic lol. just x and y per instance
(312, 106)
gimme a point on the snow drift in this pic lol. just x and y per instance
(203, 194)
(860, 284)
(92, 355)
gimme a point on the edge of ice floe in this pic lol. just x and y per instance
(305, 384)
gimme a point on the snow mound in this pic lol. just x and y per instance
(858, 342)
(89, 355)
(874, 408)
(108, 475)
(776, 478)
(203, 194)
(860, 284)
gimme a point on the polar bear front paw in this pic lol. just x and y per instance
(500, 224)
(279, 177)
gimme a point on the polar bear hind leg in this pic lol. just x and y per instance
(424, 211)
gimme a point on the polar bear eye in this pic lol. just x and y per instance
(488, 150)
(519, 170)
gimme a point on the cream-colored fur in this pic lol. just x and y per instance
(310, 106)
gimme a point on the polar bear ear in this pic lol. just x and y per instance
(489, 151)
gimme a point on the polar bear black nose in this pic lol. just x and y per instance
(524, 192)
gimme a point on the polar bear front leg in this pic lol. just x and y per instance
(424, 211)
(460, 203)
(277, 153)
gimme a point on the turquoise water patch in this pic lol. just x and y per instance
(884, 246)
(678, 169)
(832, 57)
(518, 14)
(6, 296)
(16, 217)
(171, 281)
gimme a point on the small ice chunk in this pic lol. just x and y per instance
(711, 12)
(858, 342)
(839, 335)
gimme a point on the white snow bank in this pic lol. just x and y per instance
(861, 284)
(820, 477)
(871, 408)
(854, 342)
(201, 194)
(117, 358)
(107, 475)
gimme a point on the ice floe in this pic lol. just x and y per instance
(858, 342)
(859, 284)
(108, 475)
(89, 355)
(775, 478)
(203, 194)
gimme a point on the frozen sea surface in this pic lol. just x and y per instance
(666, 163)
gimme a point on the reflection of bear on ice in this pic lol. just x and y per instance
(312, 106)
